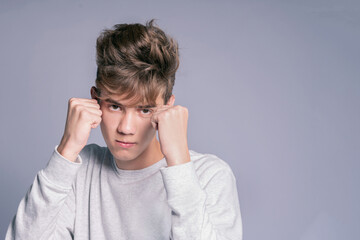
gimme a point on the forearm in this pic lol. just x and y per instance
(47, 204)
(209, 212)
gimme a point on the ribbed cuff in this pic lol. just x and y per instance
(181, 182)
(61, 171)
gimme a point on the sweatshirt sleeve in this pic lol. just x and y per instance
(207, 211)
(48, 208)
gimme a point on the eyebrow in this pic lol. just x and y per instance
(122, 105)
(113, 101)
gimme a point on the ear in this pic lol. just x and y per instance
(93, 92)
(171, 101)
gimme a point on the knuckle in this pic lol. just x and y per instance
(166, 114)
(78, 108)
(182, 109)
(72, 100)
(83, 113)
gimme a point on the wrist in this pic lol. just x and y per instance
(67, 152)
(178, 159)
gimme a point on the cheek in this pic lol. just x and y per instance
(108, 122)
(147, 131)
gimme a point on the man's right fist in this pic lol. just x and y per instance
(83, 115)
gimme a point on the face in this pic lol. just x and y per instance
(128, 132)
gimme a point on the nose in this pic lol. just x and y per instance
(127, 124)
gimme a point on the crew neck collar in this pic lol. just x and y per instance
(139, 173)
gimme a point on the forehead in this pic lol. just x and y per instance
(130, 101)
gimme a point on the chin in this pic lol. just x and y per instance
(123, 154)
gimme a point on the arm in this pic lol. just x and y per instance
(211, 212)
(48, 208)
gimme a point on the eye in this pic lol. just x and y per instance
(146, 111)
(115, 107)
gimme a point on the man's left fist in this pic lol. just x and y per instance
(171, 123)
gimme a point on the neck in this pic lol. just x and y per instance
(149, 157)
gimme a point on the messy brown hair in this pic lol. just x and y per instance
(137, 62)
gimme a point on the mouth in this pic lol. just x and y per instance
(125, 144)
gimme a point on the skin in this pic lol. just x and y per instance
(169, 120)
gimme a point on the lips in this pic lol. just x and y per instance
(125, 144)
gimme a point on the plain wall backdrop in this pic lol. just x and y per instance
(272, 87)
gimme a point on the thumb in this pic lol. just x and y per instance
(154, 122)
(96, 123)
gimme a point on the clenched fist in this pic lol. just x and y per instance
(171, 123)
(83, 115)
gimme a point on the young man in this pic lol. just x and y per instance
(138, 187)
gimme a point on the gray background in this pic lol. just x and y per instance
(272, 88)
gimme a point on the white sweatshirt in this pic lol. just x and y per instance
(93, 199)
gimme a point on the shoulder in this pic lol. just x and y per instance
(93, 158)
(209, 165)
(92, 152)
